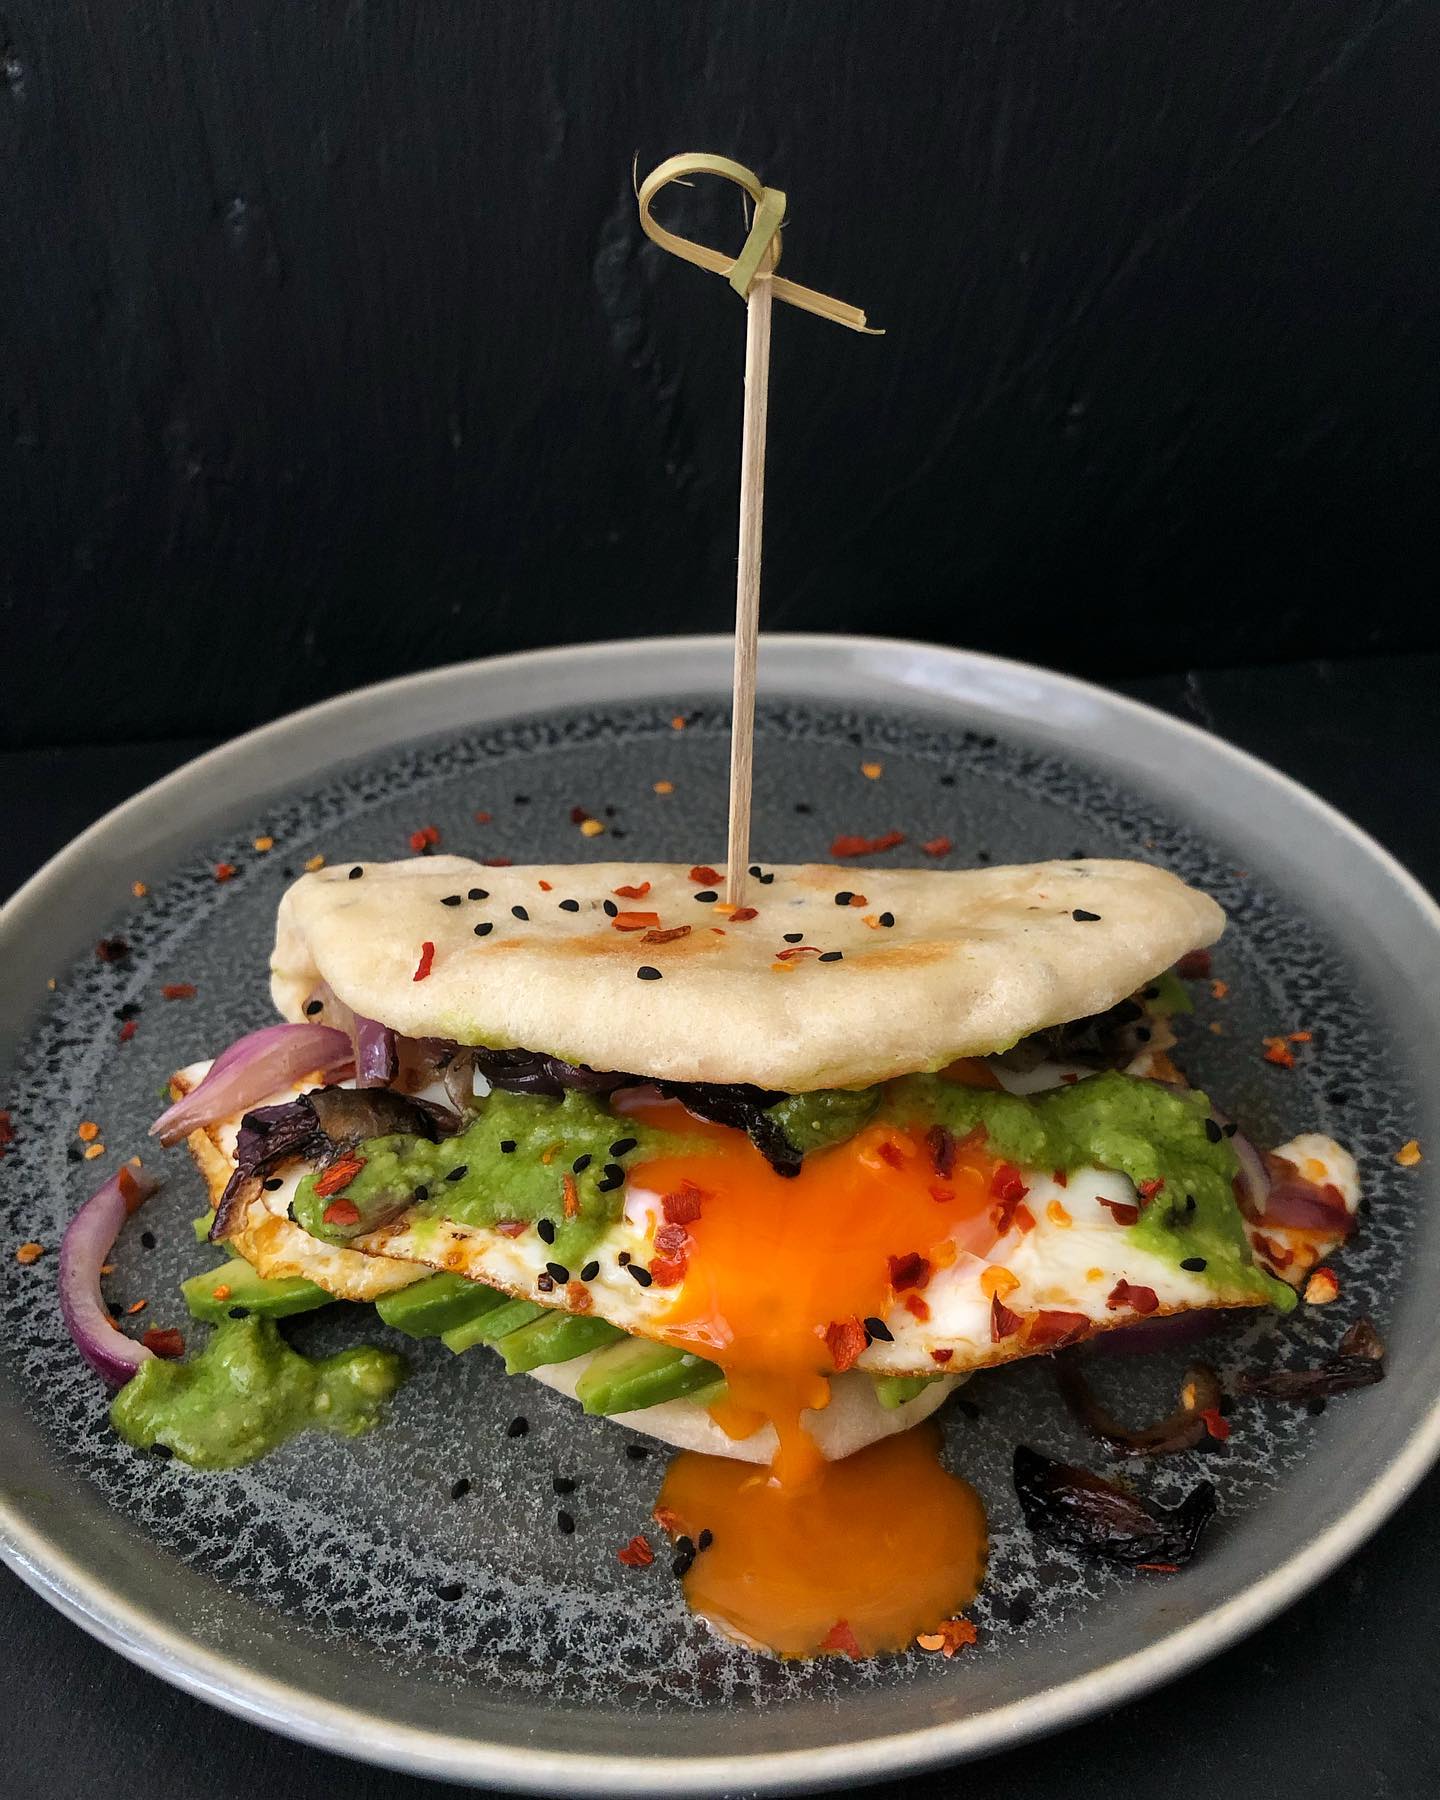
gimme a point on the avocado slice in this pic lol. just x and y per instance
(438, 1304)
(490, 1327)
(557, 1338)
(267, 1298)
(894, 1390)
(638, 1372)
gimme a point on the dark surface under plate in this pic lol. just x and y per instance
(1329, 1699)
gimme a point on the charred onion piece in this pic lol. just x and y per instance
(1359, 1362)
(742, 1107)
(1095, 1516)
(533, 1072)
(1182, 1429)
(313, 1126)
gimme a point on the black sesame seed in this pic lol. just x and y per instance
(450, 900)
(74, 1153)
(1189, 1203)
(274, 1183)
(421, 1193)
(1213, 1131)
(1143, 1033)
(982, 856)
(616, 832)
(1193, 1263)
(520, 913)
(163, 1451)
(765, 880)
(1082, 917)
(706, 896)
(877, 1328)
(507, 1146)
(831, 956)
(459, 1174)
(636, 1452)
(114, 1308)
(803, 806)
(590, 1271)
(569, 906)
(680, 1563)
(623, 1259)
(460, 1489)
(754, 868)
(581, 1163)
(623, 1146)
(564, 1484)
(646, 973)
(793, 937)
(947, 781)
(546, 1229)
(844, 897)
(1337, 1097)
(705, 1539)
(610, 908)
(1229, 1130)
(565, 1523)
(237, 1312)
(1151, 993)
(613, 1178)
(683, 1544)
(478, 894)
(641, 1275)
(484, 928)
(558, 1273)
(312, 1007)
(887, 919)
(449, 1590)
(356, 872)
(522, 799)
(1314, 1407)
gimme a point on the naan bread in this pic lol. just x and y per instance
(974, 960)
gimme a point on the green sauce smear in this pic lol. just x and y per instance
(247, 1392)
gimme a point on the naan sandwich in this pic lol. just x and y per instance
(756, 1181)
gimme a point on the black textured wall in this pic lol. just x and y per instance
(331, 347)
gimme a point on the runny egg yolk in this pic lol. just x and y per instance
(773, 1278)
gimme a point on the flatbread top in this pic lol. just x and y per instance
(838, 977)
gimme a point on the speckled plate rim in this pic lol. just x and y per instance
(853, 670)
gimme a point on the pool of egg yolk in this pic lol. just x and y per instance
(806, 1555)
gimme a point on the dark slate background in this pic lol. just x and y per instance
(331, 348)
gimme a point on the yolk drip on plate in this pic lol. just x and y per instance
(773, 1279)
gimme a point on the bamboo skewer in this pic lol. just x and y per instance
(752, 275)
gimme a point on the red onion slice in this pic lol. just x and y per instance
(85, 1246)
(1294, 1201)
(376, 1061)
(1253, 1181)
(255, 1066)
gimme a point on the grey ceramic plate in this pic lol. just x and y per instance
(302, 1593)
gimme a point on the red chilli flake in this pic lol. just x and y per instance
(941, 1356)
(637, 1554)
(917, 1308)
(127, 1031)
(704, 876)
(424, 839)
(667, 937)
(840, 1637)
(862, 846)
(797, 950)
(112, 950)
(1050, 1329)
(164, 1340)
(1216, 1423)
(482, 818)
(179, 990)
(1279, 1052)
(912, 1270)
(1194, 965)
(742, 914)
(1142, 1300)
(426, 962)
(1147, 1190)
(636, 921)
(631, 893)
(341, 1212)
(891, 1153)
(511, 1228)
(940, 846)
(339, 1175)
(224, 871)
(571, 1191)
(1061, 1179)
(1121, 1210)
(1003, 1322)
(845, 1339)
(130, 1190)
(940, 1142)
(683, 1206)
(496, 862)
